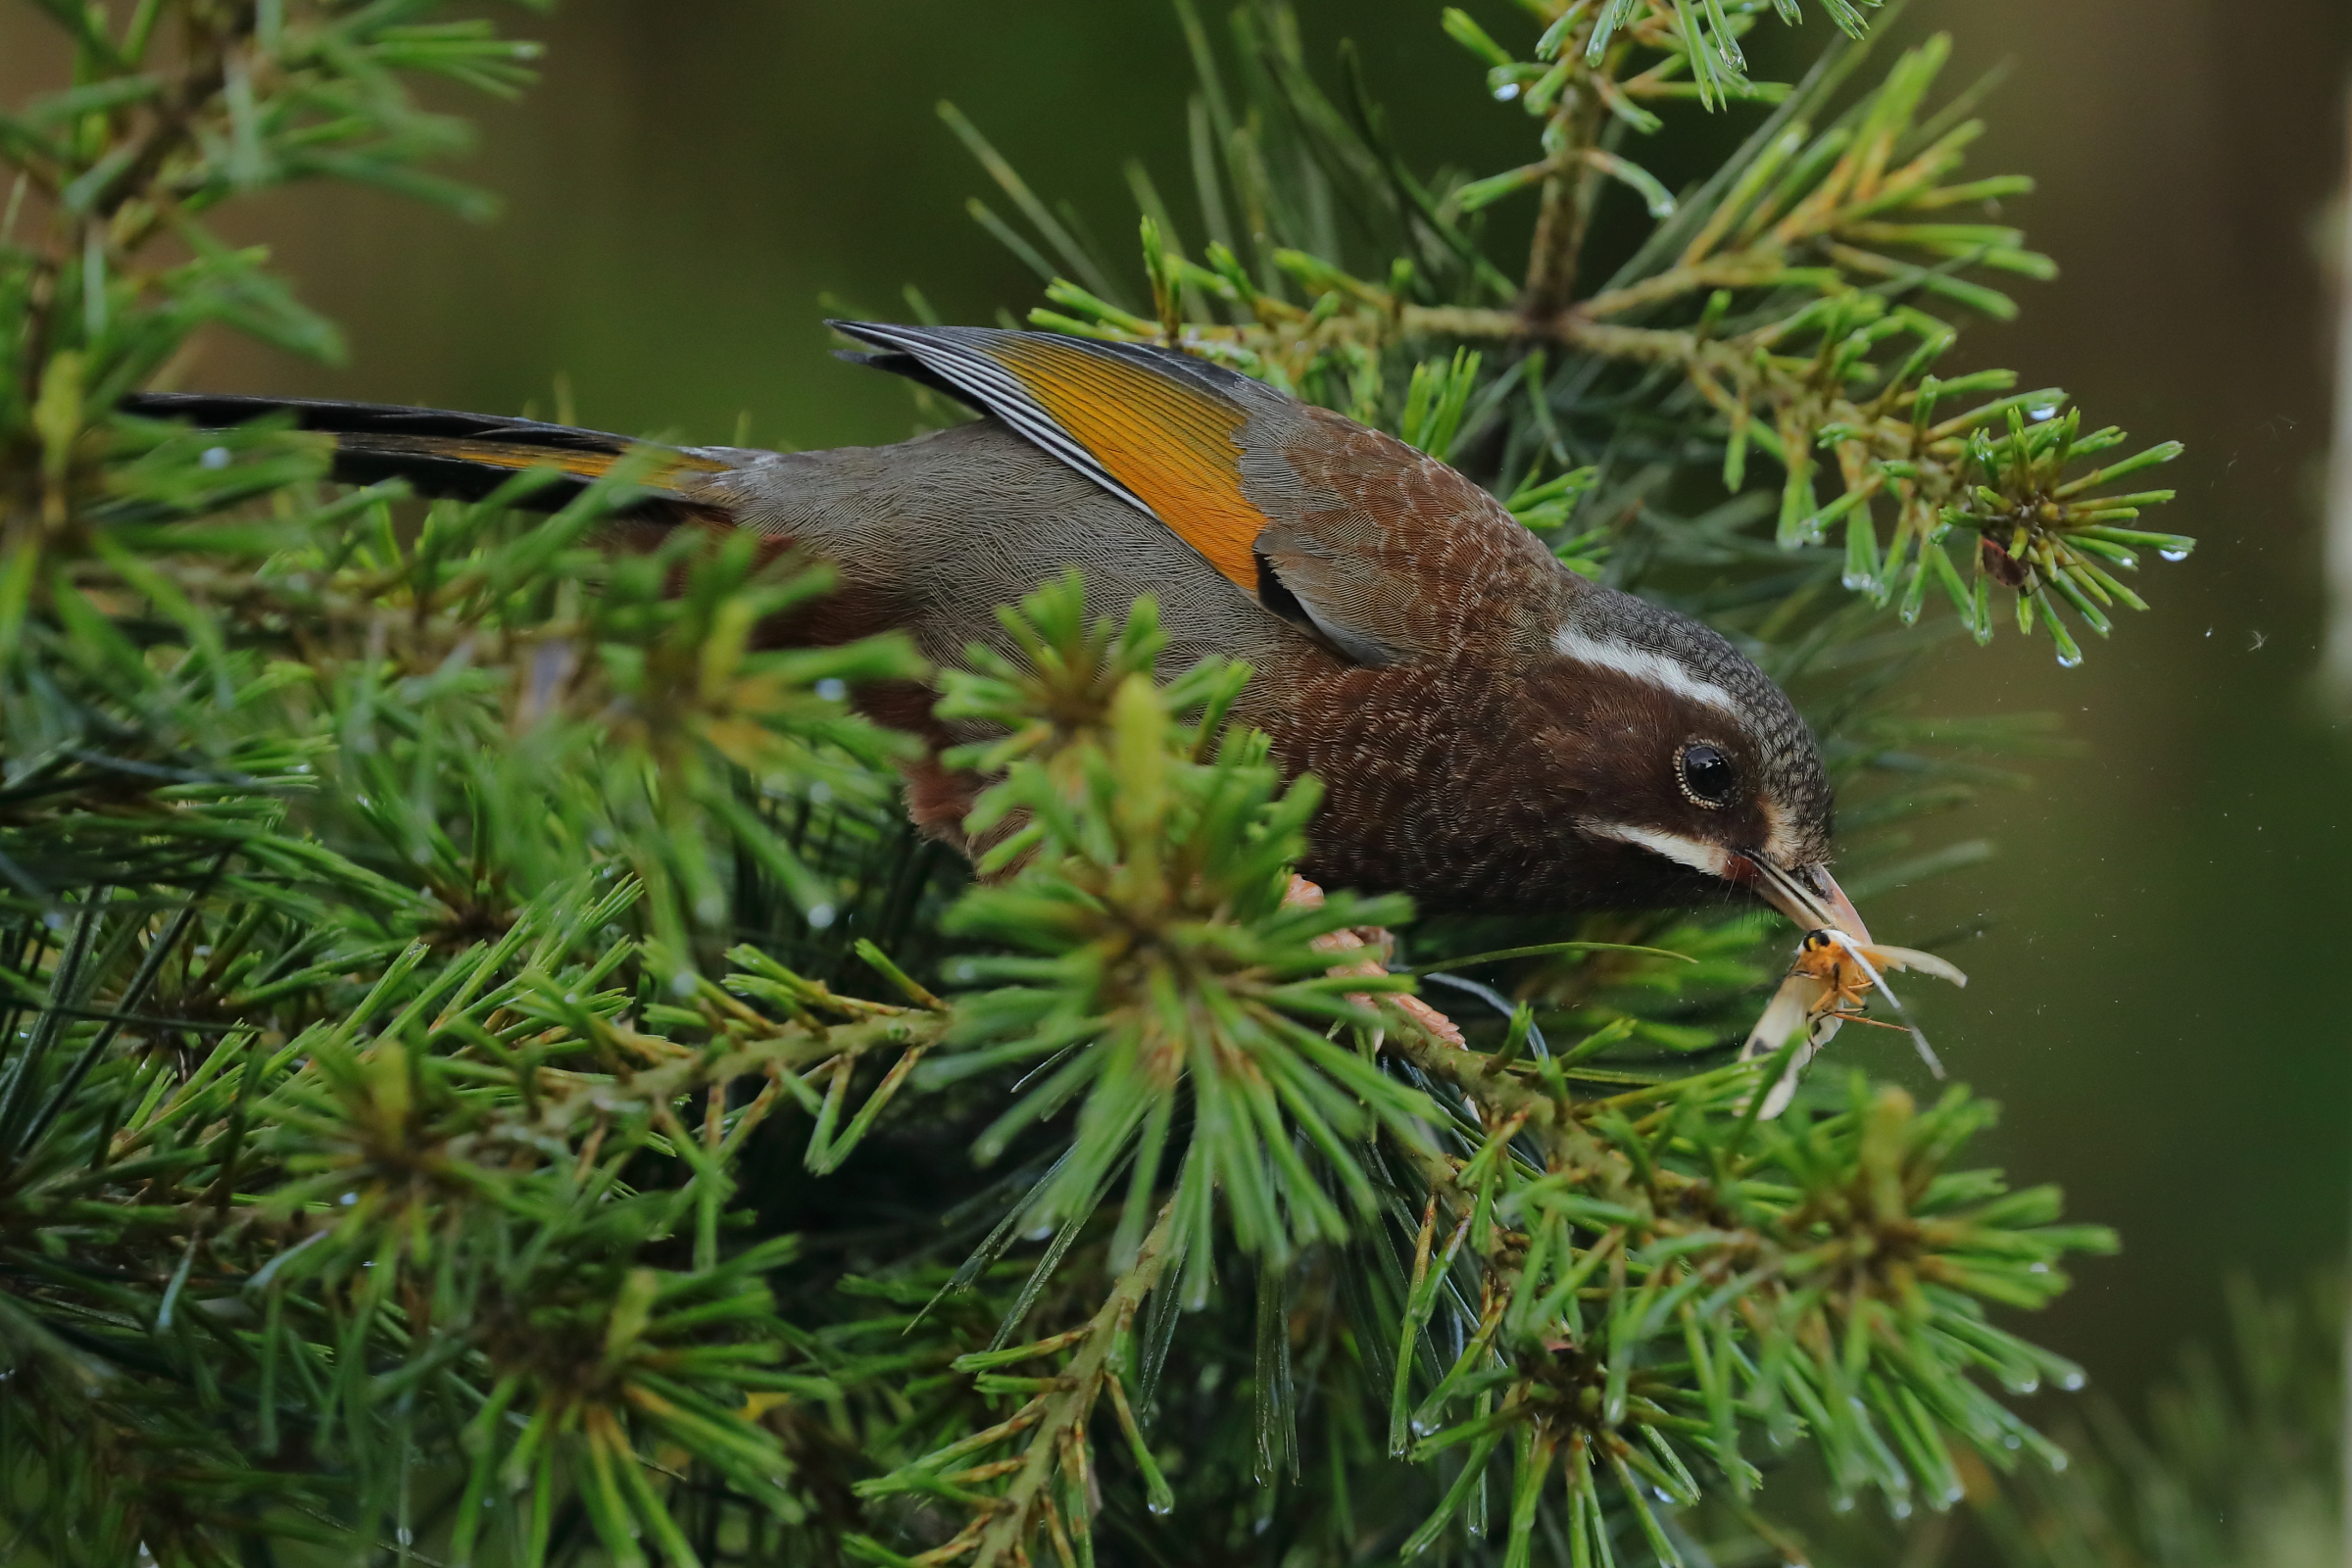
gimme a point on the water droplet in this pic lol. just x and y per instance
(348, 1199)
(2043, 411)
(213, 458)
(820, 793)
(2072, 1382)
(2069, 658)
(682, 983)
(1160, 1504)
(2175, 554)
(1901, 1507)
(2012, 1441)
(2028, 1386)
(2057, 1460)
(820, 915)
(832, 689)
(1506, 93)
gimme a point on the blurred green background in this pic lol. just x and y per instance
(2163, 996)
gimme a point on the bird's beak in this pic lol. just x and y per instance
(1810, 896)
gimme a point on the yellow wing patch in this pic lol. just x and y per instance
(1175, 447)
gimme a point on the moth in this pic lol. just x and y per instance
(1830, 984)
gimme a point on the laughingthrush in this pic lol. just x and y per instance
(1495, 732)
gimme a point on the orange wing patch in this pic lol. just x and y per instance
(1175, 447)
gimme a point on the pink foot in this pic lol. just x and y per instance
(1375, 944)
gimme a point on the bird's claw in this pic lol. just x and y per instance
(1375, 945)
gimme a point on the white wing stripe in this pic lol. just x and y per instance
(1002, 394)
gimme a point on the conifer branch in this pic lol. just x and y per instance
(438, 954)
(1814, 262)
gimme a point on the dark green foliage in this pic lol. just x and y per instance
(1152, 946)
(2237, 1458)
(445, 1111)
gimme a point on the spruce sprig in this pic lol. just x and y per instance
(1149, 946)
(1635, 1292)
(444, 1109)
(1795, 295)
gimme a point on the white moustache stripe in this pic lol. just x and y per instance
(1779, 843)
(1642, 664)
(1697, 854)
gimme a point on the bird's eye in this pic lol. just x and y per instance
(1706, 774)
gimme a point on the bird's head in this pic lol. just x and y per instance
(1688, 772)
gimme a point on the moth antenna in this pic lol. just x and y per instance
(1927, 1053)
(1878, 981)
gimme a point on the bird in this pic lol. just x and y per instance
(1495, 733)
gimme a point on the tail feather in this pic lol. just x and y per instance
(441, 452)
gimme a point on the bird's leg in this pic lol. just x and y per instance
(1375, 945)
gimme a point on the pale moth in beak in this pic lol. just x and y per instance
(1837, 969)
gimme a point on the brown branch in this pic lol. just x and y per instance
(1748, 270)
(1570, 189)
(1068, 1410)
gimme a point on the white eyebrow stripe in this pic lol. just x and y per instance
(1642, 664)
(1699, 854)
